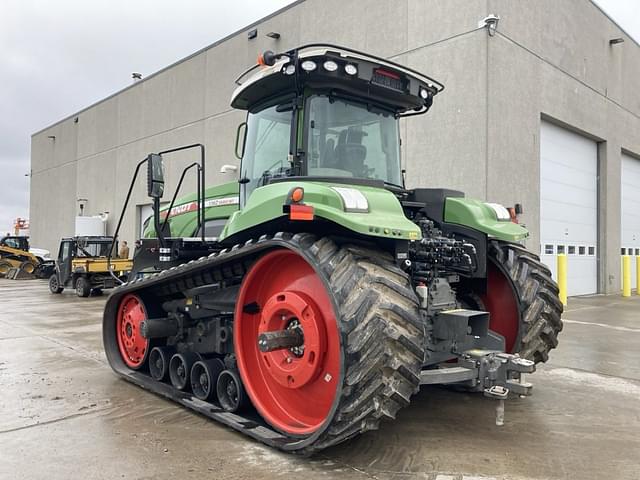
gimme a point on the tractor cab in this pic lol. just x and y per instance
(326, 112)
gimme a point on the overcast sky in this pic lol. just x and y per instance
(57, 57)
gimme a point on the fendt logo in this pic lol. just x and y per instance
(193, 206)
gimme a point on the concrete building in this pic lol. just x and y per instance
(543, 110)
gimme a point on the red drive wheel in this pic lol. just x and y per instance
(132, 345)
(292, 387)
(501, 302)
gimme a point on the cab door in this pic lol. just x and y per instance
(64, 261)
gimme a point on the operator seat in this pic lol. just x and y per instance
(350, 153)
(328, 154)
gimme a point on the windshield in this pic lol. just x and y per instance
(346, 139)
(267, 146)
(93, 249)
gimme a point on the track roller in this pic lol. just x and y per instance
(231, 394)
(204, 378)
(159, 362)
(180, 367)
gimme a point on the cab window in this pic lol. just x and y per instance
(266, 153)
(65, 251)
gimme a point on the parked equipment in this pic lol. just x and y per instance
(19, 261)
(319, 292)
(83, 264)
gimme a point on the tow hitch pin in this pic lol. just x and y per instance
(499, 393)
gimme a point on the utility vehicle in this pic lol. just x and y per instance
(85, 264)
(310, 300)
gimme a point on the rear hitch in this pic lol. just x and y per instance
(496, 374)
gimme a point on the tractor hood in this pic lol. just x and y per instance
(366, 210)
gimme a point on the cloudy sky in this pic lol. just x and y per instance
(58, 57)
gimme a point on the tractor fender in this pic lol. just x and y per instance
(366, 210)
(481, 216)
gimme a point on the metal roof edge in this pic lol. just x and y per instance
(595, 3)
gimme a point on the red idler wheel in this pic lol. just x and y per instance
(292, 388)
(132, 345)
(501, 302)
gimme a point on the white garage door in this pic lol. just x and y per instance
(569, 205)
(631, 211)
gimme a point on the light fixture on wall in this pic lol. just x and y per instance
(82, 202)
(615, 41)
(274, 35)
(251, 34)
(491, 23)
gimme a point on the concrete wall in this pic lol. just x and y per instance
(553, 60)
(548, 59)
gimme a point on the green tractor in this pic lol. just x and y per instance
(309, 300)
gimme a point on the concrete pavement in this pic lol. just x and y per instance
(65, 415)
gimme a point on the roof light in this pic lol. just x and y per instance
(330, 66)
(289, 69)
(350, 69)
(308, 66)
(353, 200)
(501, 212)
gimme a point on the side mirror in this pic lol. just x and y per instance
(241, 138)
(155, 176)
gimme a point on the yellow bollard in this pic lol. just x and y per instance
(562, 277)
(638, 275)
(626, 276)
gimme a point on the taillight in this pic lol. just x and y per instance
(300, 212)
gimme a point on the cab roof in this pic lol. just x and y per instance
(338, 69)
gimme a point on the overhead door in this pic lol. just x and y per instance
(631, 211)
(569, 205)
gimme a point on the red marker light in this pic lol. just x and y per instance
(300, 212)
(387, 73)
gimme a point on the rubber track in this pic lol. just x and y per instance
(540, 306)
(382, 334)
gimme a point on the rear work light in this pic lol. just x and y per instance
(350, 69)
(330, 66)
(308, 66)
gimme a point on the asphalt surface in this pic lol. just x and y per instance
(65, 415)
